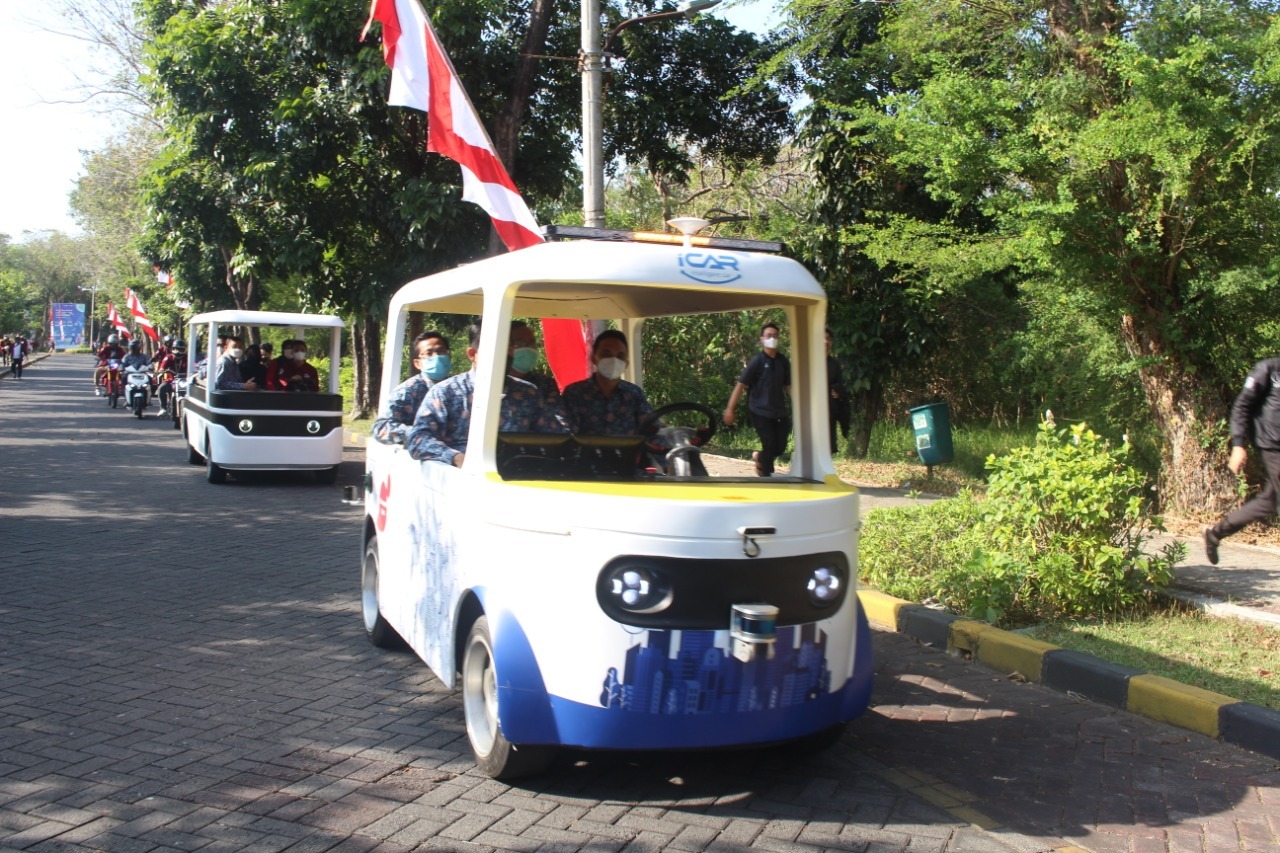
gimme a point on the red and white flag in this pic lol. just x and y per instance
(422, 77)
(139, 315)
(114, 319)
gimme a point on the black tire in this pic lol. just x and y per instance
(139, 402)
(327, 476)
(213, 472)
(113, 399)
(193, 456)
(377, 629)
(494, 754)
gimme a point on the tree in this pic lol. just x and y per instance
(283, 161)
(1118, 149)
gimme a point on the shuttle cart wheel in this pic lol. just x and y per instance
(213, 472)
(494, 754)
(379, 630)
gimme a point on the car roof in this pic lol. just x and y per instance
(600, 280)
(234, 317)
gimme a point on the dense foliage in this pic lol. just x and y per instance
(1063, 532)
(1119, 154)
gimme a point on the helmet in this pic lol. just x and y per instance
(135, 345)
(111, 339)
(179, 343)
(168, 339)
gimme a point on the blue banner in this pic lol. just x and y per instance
(67, 325)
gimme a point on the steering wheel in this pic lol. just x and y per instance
(648, 426)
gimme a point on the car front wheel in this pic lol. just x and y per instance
(494, 754)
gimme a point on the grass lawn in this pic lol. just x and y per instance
(1229, 656)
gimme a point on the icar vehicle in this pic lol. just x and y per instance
(616, 592)
(262, 430)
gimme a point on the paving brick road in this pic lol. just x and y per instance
(182, 667)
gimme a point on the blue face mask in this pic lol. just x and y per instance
(436, 367)
(523, 359)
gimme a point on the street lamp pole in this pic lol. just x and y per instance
(593, 59)
(592, 117)
(93, 311)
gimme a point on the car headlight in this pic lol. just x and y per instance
(636, 589)
(824, 586)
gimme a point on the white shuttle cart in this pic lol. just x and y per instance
(579, 594)
(262, 430)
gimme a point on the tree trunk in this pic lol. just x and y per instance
(506, 126)
(866, 411)
(1193, 472)
(244, 289)
(367, 360)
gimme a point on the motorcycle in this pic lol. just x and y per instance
(170, 391)
(137, 389)
(111, 381)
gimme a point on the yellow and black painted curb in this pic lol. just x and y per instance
(1243, 724)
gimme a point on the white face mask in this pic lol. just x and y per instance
(611, 368)
(770, 343)
(299, 356)
(236, 352)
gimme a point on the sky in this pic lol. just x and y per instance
(42, 141)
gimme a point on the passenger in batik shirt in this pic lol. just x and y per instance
(439, 432)
(431, 360)
(605, 403)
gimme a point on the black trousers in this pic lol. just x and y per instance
(1263, 504)
(773, 433)
(16, 367)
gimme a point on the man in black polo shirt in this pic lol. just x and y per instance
(767, 377)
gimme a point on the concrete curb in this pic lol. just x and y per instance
(1242, 724)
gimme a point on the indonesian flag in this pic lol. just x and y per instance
(114, 319)
(422, 77)
(139, 315)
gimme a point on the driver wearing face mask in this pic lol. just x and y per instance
(605, 403)
(432, 363)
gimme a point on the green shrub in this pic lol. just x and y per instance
(905, 551)
(1060, 534)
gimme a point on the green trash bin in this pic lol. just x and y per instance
(932, 426)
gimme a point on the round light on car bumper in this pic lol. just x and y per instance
(637, 589)
(824, 586)
(313, 427)
(245, 426)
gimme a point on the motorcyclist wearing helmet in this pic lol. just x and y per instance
(170, 367)
(136, 359)
(111, 350)
(172, 358)
(166, 346)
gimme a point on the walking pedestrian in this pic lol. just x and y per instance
(768, 378)
(18, 354)
(1255, 418)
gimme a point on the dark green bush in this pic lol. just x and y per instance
(1060, 534)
